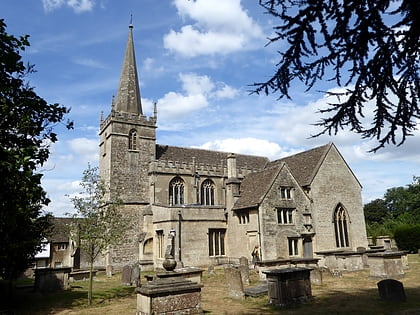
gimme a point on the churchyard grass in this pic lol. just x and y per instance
(353, 293)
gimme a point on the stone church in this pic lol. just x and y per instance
(220, 205)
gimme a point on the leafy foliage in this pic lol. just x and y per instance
(408, 238)
(400, 207)
(26, 132)
(99, 222)
(370, 47)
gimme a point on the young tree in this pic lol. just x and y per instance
(369, 47)
(98, 222)
(26, 132)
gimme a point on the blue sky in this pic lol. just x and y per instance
(196, 59)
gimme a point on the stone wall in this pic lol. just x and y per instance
(333, 184)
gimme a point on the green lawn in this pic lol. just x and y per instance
(354, 293)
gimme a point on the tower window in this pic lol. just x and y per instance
(132, 139)
(176, 191)
(207, 192)
(341, 227)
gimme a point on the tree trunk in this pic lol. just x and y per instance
(90, 283)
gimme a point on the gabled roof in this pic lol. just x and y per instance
(255, 186)
(60, 230)
(304, 165)
(171, 153)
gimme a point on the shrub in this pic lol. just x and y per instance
(408, 238)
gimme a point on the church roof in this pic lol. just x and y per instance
(254, 187)
(201, 156)
(60, 230)
(128, 96)
(304, 165)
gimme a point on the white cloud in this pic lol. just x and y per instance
(221, 27)
(86, 149)
(89, 62)
(78, 6)
(197, 92)
(248, 145)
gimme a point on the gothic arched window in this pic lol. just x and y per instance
(207, 192)
(341, 227)
(132, 139)
(176, 191)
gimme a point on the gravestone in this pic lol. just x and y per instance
(316, 276)
(135, 275)
(244, 270)
(391, 290)
(126, 275)
(210, 270)
(234, 282)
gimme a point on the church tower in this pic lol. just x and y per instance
(127, 146)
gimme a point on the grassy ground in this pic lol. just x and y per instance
(354, 293)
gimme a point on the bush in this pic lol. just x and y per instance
(408, 238)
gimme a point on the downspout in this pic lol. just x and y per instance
(259, 233)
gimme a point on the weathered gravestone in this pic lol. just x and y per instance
(234, 282)
(126, 275)
(210, 270)
(135, 275)
(391, 290)
(244, 270)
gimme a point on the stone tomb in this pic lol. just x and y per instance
(289, 286)
(386, 264)
(174, 296)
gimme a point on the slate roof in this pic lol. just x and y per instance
(172, 153)
(60, 232)
(254, 187)
(304, 165)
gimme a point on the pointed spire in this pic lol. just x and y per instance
(128, 95)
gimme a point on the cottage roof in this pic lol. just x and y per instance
(60, 230)
(201, 156)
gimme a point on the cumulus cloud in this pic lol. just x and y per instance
(85, 149)
(78, 6)
(248, 145)
(220, 27)
(197, 92)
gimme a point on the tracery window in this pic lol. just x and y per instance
(132, 139)
(341, 227)
(207, 192)
(176, 191)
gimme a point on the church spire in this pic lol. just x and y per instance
(128, 96)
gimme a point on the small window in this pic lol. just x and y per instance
(286, 193)
(285, 215)
(160, 243)
(293, 246)
(243, 218)
(217, 242)
(57, 264)
(132, 139)
(62, 246)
